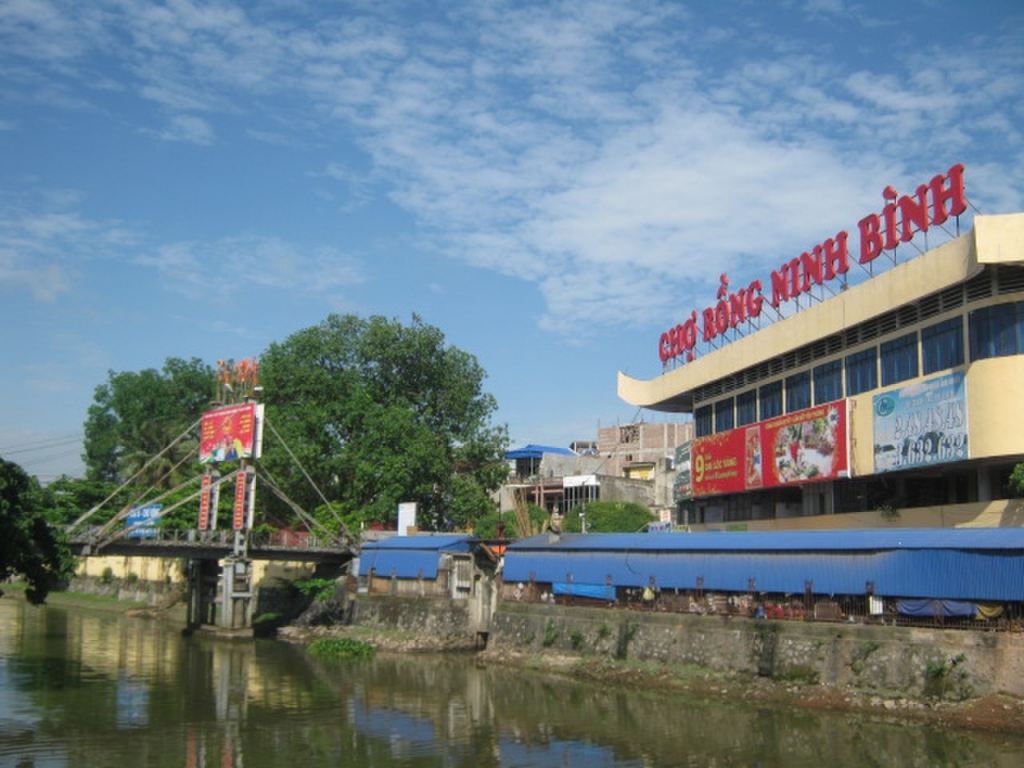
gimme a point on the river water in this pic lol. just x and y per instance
(80, 688)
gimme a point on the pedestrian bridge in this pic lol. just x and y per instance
(219, 563)
(294, 546)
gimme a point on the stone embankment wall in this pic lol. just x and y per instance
(442, 618)
(890, 661)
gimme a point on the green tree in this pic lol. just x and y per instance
(1017, 481)
(379, 413)
(29, 546)
(66, 499)
(608, 517)
(133, 427)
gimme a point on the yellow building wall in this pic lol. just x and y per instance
(995, 413)
(992, 514)
(171, 570)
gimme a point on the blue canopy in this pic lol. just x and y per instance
(410, 557)
(532, 451)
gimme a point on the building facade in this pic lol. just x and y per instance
(630, 463)
(897, 400)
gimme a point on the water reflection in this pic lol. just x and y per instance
(79, 689)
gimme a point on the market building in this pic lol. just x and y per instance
(821, 401)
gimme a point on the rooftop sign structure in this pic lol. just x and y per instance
(902, 217)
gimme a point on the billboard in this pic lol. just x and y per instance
(800, 447)
(145, 518)
(682, 487)
(922, 424)
(230, 433)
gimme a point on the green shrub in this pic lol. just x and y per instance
(316, 589)
(342, 648)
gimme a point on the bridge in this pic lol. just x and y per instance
(292, 546)
(221, 587)
(218, 562)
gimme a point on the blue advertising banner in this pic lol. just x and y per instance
(921, 425)
(143, 517)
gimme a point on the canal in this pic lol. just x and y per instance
(82, 688)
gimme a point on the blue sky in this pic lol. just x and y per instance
(551, 184)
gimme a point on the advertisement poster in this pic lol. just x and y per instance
(800, 447)
(145, 517)
(230, 433)
(682, 488)
(922, 424)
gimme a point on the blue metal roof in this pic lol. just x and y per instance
(410, 557)
(437, 543)
(864, 539)
(969, 564)
(537, 451)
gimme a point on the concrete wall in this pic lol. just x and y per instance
(889, 661)
(434, 617)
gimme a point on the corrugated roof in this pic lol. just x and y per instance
(765, 541)
(410, 557)
(457, 541)
(969, 564)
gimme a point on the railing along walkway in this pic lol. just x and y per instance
(176, 542)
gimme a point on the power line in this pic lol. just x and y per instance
(42, 445)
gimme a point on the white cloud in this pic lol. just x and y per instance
(618, 155)
(41, 249)
(198, 268)
(188, 128)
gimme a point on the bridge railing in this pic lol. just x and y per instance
(219, 538)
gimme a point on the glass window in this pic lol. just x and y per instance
(723, 415)
(703, 423)
(996, 331)
(746, 408)
(942, 345)
(798, 392)
(770, 396)
(828, 382)
(861, 371)
(898, 359)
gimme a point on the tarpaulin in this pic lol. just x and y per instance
(592, 591)
(943, 608)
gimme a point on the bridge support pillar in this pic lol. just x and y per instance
(203, 578)
(236, 594)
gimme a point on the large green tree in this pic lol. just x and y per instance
(136, 418)
(29, 546)
(608, 517)
(368, 413)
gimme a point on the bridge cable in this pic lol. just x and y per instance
(128, 482)
(101, 542)
(305, 474)
(310, 521)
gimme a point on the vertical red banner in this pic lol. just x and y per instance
(238, 517)
(204, 505)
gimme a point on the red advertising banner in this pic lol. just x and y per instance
(238, 516)
(228, 434)
(800, 447)
(204, 504)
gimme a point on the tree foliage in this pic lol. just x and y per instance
(608, 517)
(64, 500)
(379, 413)
(135, 418)
(1016, 481)
(29, 546)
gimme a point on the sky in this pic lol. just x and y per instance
(551, 184)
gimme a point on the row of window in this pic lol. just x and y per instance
(994, 331)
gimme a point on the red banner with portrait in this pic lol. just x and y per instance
(228, 434)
